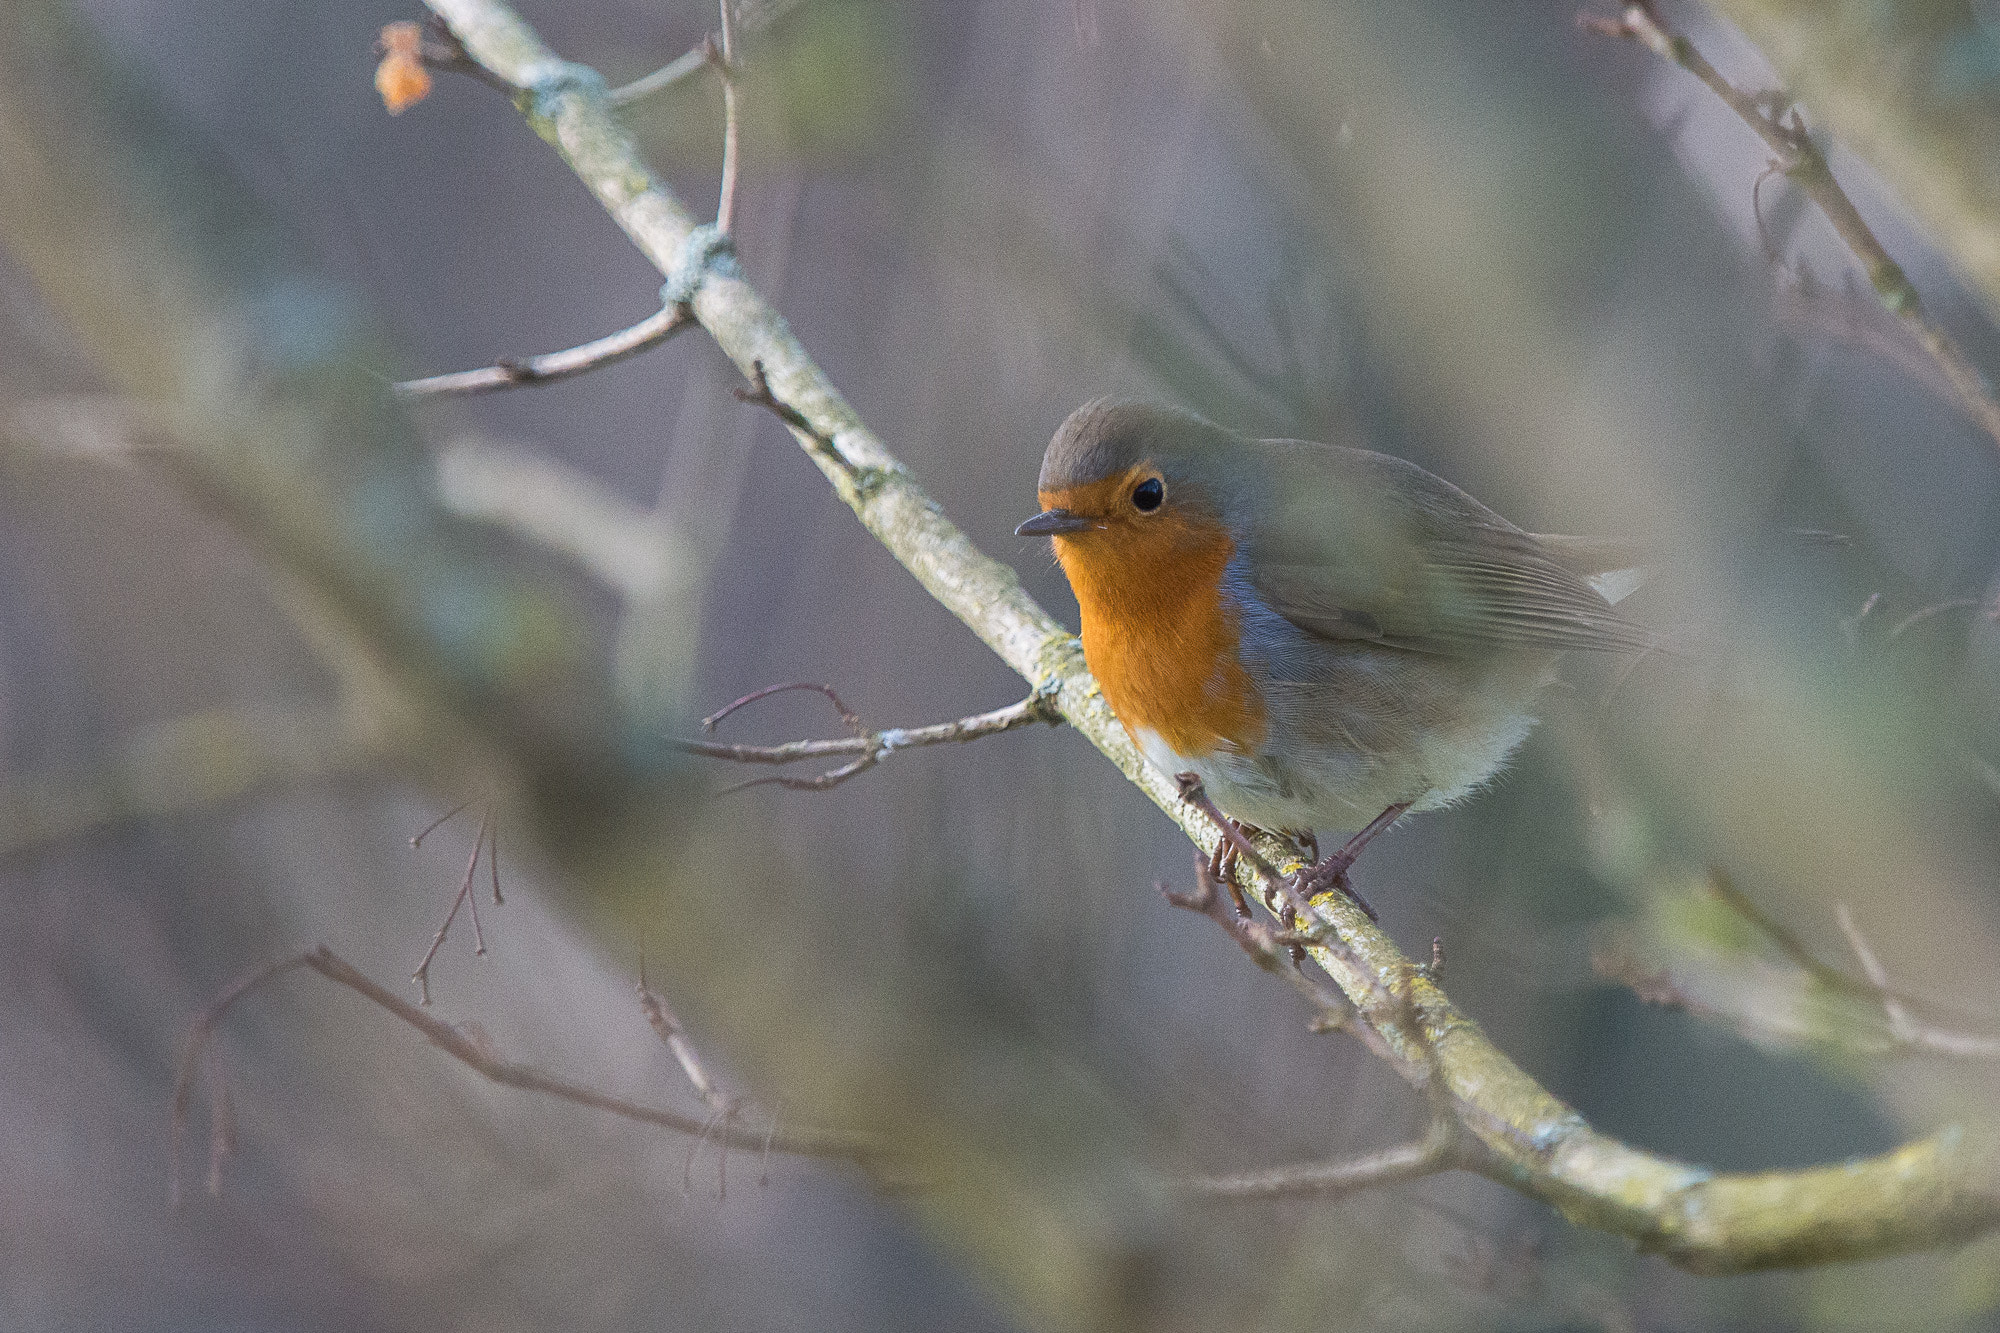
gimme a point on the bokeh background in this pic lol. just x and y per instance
(1518, 253)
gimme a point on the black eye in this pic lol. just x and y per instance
(1148, 495)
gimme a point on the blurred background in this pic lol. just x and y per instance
(1520, 254)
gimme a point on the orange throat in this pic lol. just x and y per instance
(1159, 632)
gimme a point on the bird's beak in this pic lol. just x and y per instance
(1053, 523)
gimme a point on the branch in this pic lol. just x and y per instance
(1441, 1149)
(871, 748)
(732, 137)
(666, 76)
(1876, 74)
(476, 1053)
(609, 350)
(1928, 1193)
(1907, 1032)
(1802, 162)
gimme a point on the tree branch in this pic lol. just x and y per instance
(871, 748)
(1802, 162)
(1441, 1149)
(476, 1053)
(1931, 1192)
(609, 350)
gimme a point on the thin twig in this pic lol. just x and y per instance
(463, 898)
(725, 203)
(870, 748)
(199, 1036)
(864, 1150)
(759, 394)
(648, 333)
(668, 1026)
(1904, 1028)
(1778, 124)
(848, 717)
(417, 838)
(1438, 1151)
(664, 77)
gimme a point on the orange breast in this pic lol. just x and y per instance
(1159, 633)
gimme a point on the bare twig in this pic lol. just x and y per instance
(417, 838)
(463, 898)
(609, 350)
(759, 394)
(866, 748)
(1904, 1028)
(668, 1026)
(862, 1149)
(664, 77)
(732, 148)
(1438, 1150)
(191, 1061)
(1774, 120)
(848, 717)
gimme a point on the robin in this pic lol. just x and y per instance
(1321, 636)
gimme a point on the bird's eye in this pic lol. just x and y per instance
(1148, 495)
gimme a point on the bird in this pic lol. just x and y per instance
(1312, 636)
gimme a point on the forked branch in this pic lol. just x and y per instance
(476, 1053)
(863, 749)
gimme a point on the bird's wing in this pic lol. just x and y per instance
(1356, 545)
(1614, 567)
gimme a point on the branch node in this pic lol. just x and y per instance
(708, 250)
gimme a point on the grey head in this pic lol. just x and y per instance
(1111, 453)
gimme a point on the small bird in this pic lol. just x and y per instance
(1323, 636)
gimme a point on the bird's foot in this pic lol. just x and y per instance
(1330, 872)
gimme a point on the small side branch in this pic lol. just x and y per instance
(648, 333)
(666, 76)
(1904, 1029)
(732, 136)
(865, 750)
(1441, 1149)
(862, 1149)
(818, 442)
(1777, 122)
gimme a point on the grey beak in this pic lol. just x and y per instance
(1053, 523)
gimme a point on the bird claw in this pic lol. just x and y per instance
(1330, 873)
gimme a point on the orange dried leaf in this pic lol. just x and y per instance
(401, 77)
